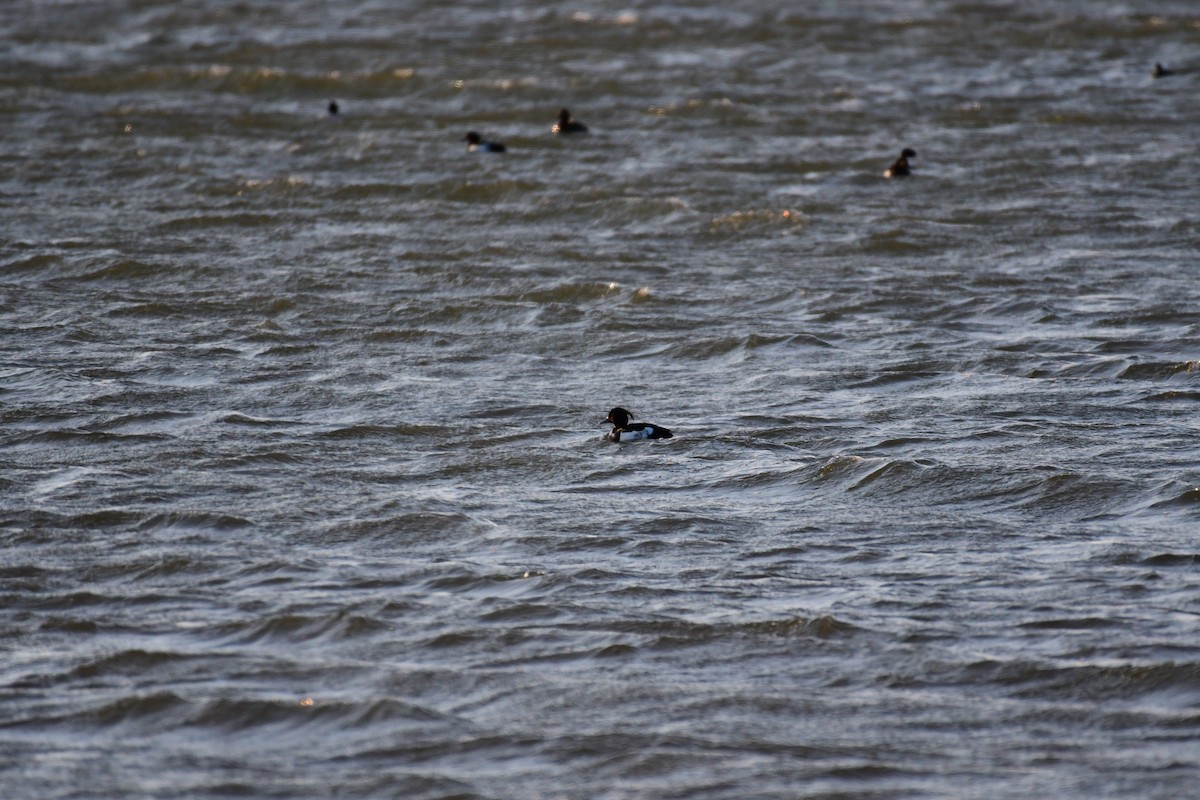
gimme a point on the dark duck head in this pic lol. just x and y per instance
(566, 124)
(626, 431)
(900, 166)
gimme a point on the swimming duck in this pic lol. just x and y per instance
(566, 124)
(900, 166)
(333, 108)
(476, 144)
(625, 431)
(1161, 72)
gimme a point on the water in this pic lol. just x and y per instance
(302, 485)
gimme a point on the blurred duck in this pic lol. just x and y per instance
(900, 167)
(566, 124)
(476, 144)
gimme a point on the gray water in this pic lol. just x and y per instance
(303, 490)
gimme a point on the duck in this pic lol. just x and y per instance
(477, 144)
(566, 124)
(1161, 72)
(626, 431)
(333, 108)
(900, 166)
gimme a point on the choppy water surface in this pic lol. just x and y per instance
(302, 483)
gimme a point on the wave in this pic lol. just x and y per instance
(292, 628)
(238, 418)
(1158, 370)
(674, 633)
(252, 714)
(904, 373)
(126, 663)
(1173, 396)
(241, 219)
(126, 269)
(881, 475)
(586, 292)
(369, 431)
(39, 262)
(268, 458)
(742, 344)
(82, 438)
(147, 421)
(759, 222)
(1172, 560)
(1176, 684)
(156, 709)
(193, 520)
(246, 79)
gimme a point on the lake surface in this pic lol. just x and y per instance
(303, 490)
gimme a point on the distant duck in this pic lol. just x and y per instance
(333, 108)
(566, 124)
(476, 144)
(1161, 72)
(901, 167)
(625, 431)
